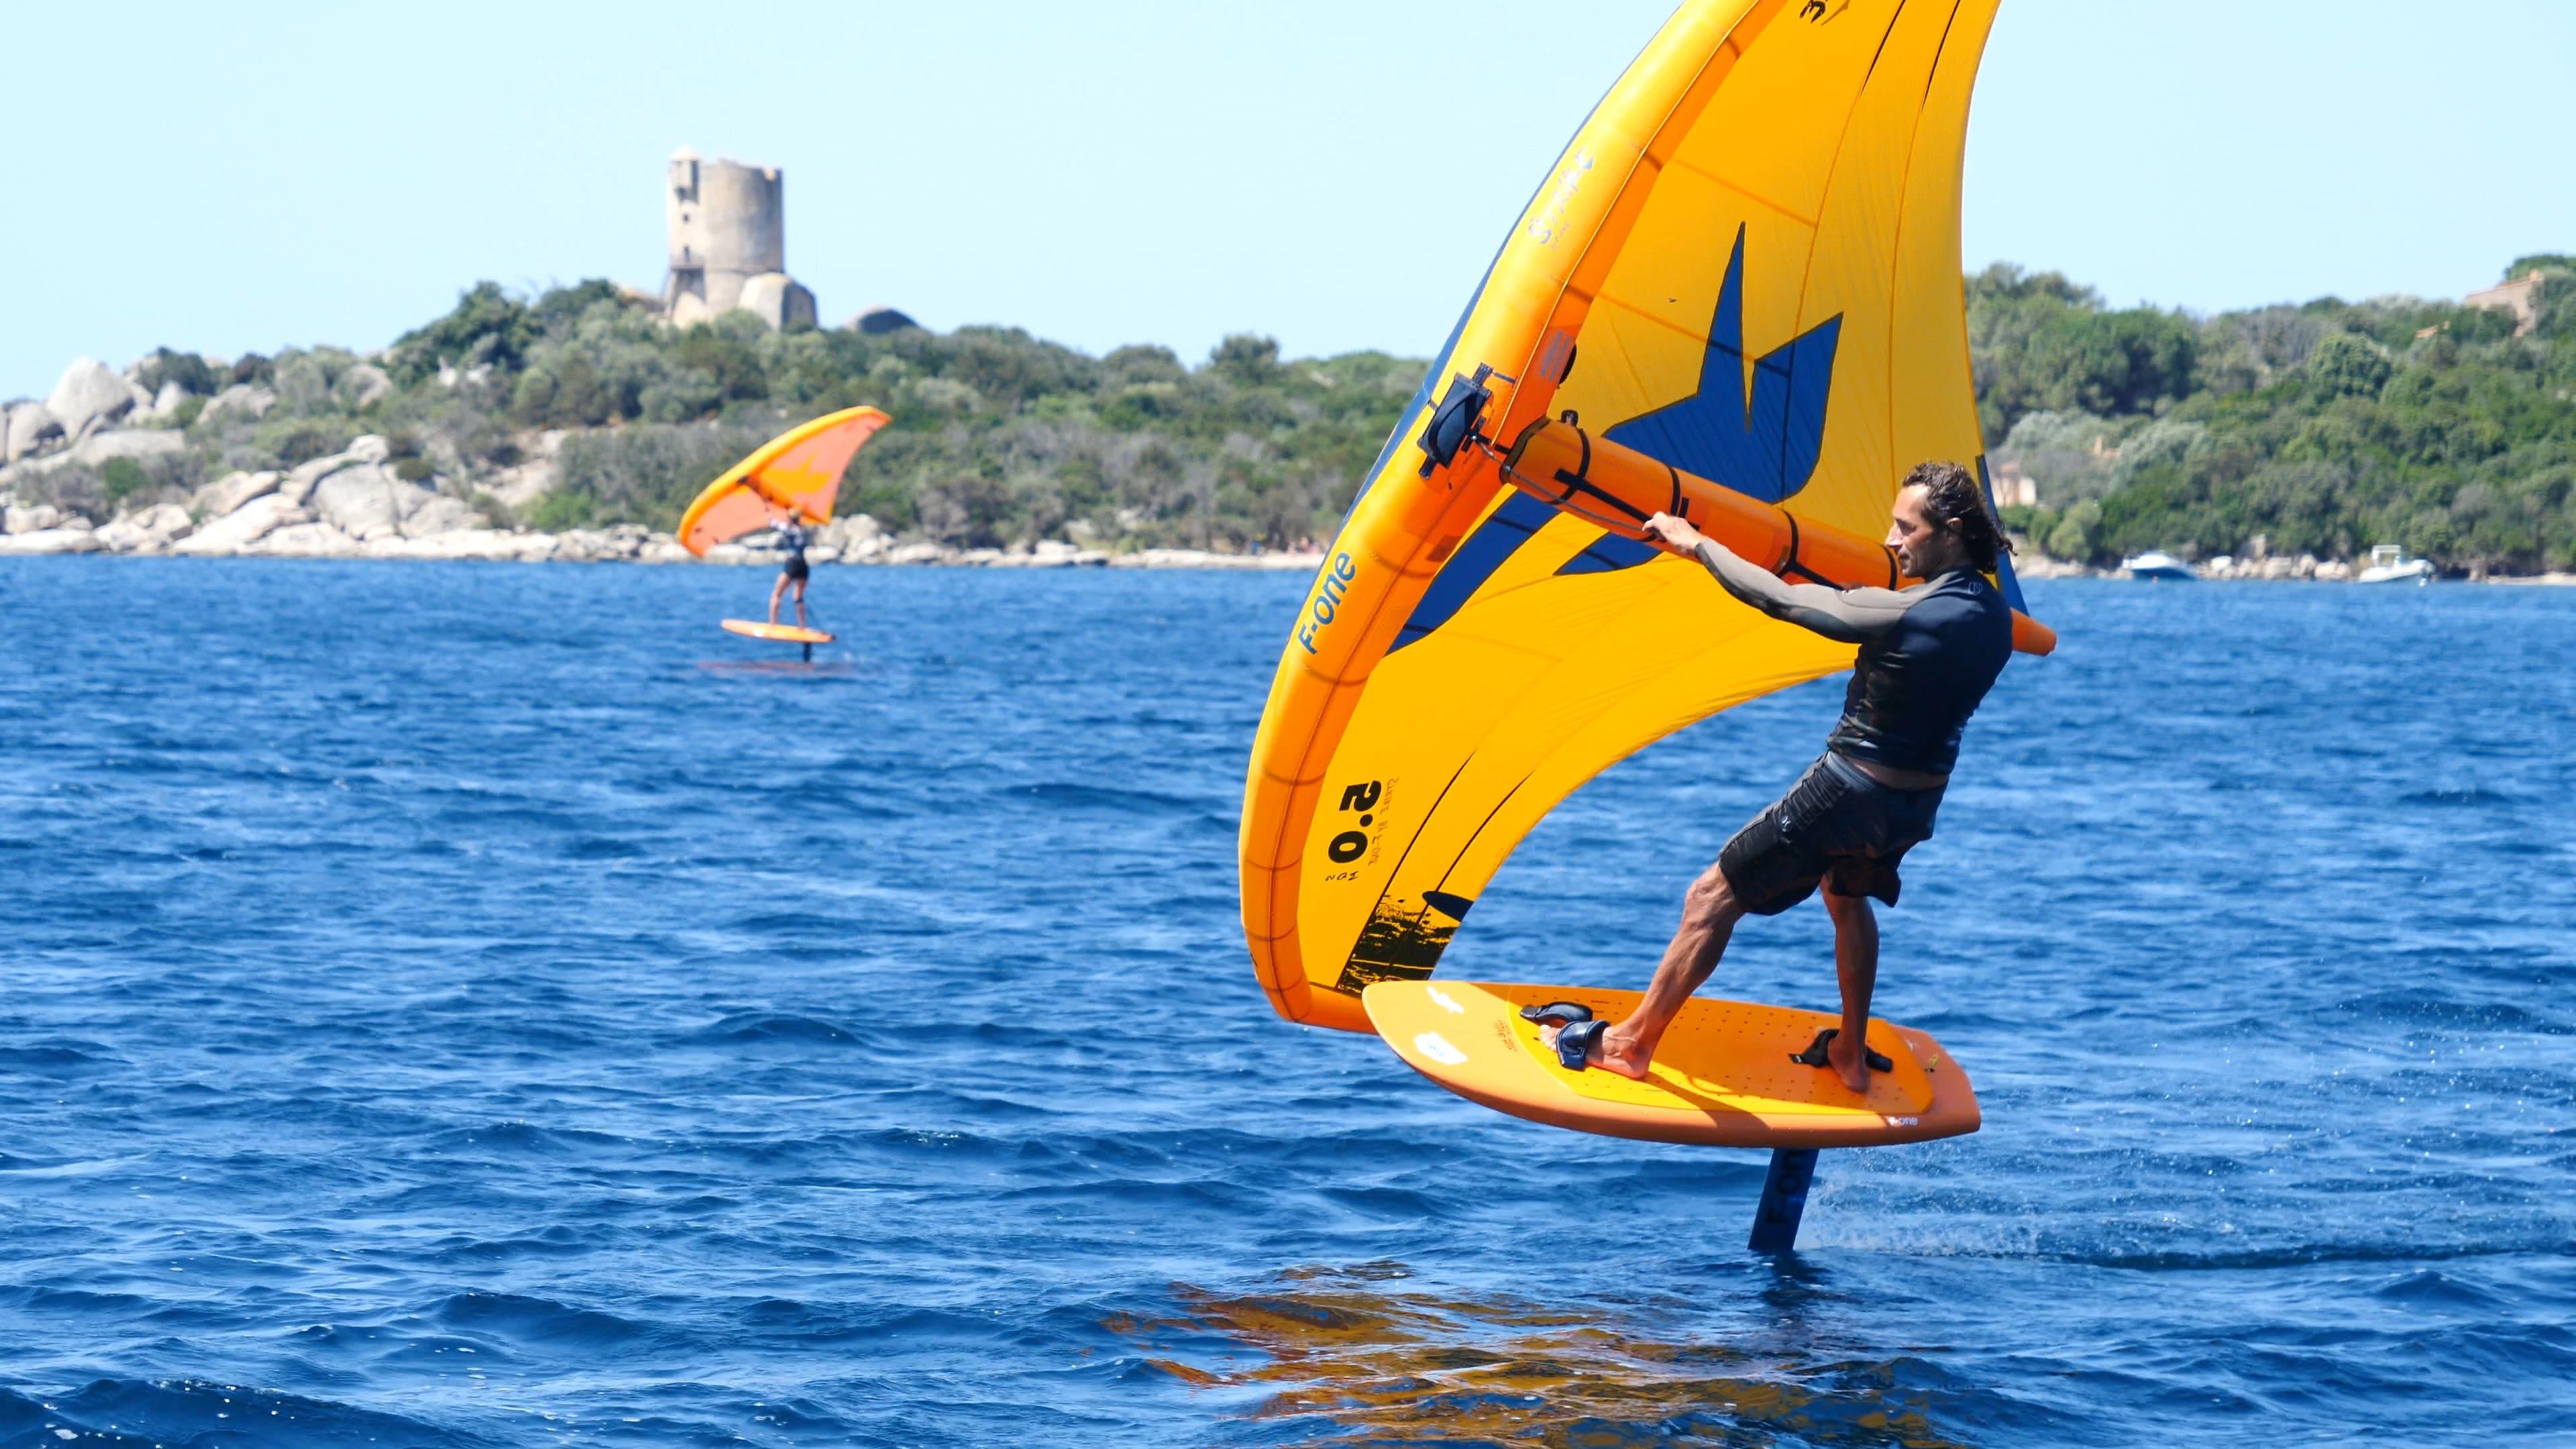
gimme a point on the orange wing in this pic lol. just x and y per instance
(797, 472)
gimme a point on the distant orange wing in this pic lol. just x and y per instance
(798, 472)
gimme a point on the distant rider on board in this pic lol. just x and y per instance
(792, 536)
(1928, 654)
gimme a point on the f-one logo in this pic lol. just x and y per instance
(1327, 601)
(1543, 230)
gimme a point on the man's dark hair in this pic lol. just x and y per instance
(1952, 496)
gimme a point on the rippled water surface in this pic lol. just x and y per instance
(466, 1005)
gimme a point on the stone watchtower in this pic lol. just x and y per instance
(728, 229)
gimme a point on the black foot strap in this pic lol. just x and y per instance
(1576, 1031)
(1574, 1044)
(1815, 1056)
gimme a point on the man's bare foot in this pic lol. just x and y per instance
(1613, 1051)
(1850, 1056)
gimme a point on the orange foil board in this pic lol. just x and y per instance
(777, 633)
(1722, 1076)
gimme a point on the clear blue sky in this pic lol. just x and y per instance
(231, 179)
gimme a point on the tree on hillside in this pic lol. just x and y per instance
(1246, 359)
(2319, 428)
(2343, 365)
(2039, 342)
(487, 326)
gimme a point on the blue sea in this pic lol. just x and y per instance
(460, 1005)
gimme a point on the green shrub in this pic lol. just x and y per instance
(121, 479)
(184, 368)
(559, 510)
(648, 472)
(291, 440)
(2074, 535)
(494, 511)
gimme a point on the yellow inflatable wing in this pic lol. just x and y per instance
(1742, 278)
(797, 472)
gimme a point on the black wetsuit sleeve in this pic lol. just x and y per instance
(1847, 616)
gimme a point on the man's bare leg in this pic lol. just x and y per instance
(1709, 914)
(1856, 964)
(775, 590)
(800, 603)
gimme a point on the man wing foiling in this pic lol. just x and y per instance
(792, 570)
(1928, 654)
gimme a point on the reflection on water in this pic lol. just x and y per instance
(757, 668)
(1360, 1361)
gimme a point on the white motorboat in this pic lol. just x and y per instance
(2390, 565)
(2158, 565)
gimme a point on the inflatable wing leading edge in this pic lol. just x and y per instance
(1737, 297)
(798, 472)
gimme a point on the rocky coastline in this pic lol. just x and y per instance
(371, 501)
(276, 525)
(356, 504)
(363, 503)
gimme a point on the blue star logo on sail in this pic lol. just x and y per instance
(1761, 440)
(1764, 444)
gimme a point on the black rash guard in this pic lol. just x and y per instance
(1928, 655)
(792, 536)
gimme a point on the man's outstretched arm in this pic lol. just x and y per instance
(1847, 616)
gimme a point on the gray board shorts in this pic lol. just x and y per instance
(1837, 826)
